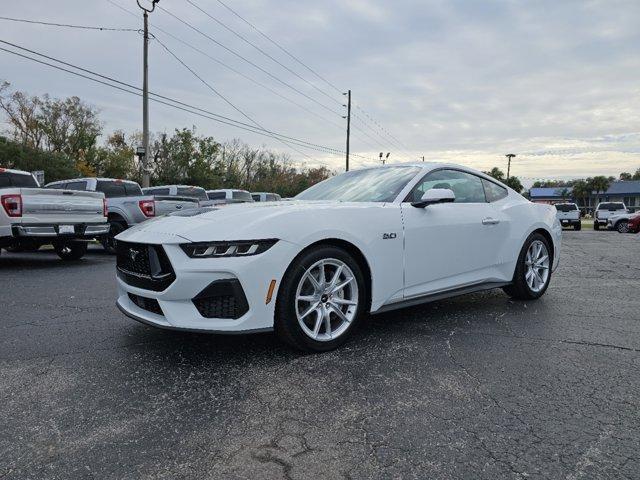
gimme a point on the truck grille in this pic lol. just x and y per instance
(144, 266)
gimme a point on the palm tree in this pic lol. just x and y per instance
(581, 191)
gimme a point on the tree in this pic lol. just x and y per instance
(636, 175)
(625, 176)
(496, 173)
(513, 182)
(581, 190)
(56, 166)
(599, 184)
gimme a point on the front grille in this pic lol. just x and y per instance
(144, 266)
(222, 299)
(148, 304)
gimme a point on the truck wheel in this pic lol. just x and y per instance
(577, 226)
(596, 226)
(108, 241)
(71, 250)
(622, 226)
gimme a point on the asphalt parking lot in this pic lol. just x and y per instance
(473, 387)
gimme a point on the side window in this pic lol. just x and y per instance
(256, 197)
(56, 186)
(493, 191)
(217, 195)
(158, 191)
(76, 186)
(466, 187)
(4, 180)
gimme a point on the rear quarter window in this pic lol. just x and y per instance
(493, 191)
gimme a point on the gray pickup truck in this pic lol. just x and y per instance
(605, 210)
(188, 191)
(126, 203)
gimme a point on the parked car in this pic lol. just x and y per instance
(369, 240)
(634, 223)
(229, 195)
(605, 210)
(188, 191)
(620, 222)
(265, 197)
(32, 216)
(126, 204)
(569, 215)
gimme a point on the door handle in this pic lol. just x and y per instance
(490, 221)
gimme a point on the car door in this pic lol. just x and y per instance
(450, 245)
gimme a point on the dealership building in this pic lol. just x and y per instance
(619, 191)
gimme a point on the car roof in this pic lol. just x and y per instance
(174, 185)
(17, 172)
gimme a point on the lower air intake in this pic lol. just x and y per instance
(222, 299)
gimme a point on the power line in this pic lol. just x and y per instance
(225, 99)
(253, 64)
(279, 46)
(254, 81)
(83, 27)
(295, 58)
(178, 105)
(249, 42)
(230, 68)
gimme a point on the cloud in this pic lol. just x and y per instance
(467, 81)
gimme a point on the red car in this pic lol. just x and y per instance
(634, 223)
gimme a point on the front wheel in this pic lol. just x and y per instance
(70, 251)
(322, 298)
(577, 226)
(533, 270)
(622, 226)
(108, 241)
(596, 225)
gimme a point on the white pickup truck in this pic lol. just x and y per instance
(569, 215)
(605, 210)
(31, 216)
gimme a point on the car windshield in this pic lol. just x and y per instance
(370, 185)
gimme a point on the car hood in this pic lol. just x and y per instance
(243, 221)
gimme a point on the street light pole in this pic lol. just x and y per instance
(145, 94)
(509, 157)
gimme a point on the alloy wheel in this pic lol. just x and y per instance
(537, 266)
(326, 299)
(623, 227)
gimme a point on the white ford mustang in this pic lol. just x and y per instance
(368, 240)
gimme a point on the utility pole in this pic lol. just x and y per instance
(423, 158)
(348, 105)
(509, 157)
(145, 94)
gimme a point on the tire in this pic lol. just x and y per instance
(520, 288)
(108, 242)
(71, 251)
(577, 226)
(297, 283)
(622, 226)
(596, 225)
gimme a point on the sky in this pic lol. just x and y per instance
(459, 81)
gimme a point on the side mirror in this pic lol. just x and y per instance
(435, 195)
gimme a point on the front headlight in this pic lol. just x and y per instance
(240, 248)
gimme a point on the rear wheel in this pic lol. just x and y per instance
(533, 270)
(70, 251)
(108, 241)
(322, 298)
(622, 226)
(596, 225)
(578, 226)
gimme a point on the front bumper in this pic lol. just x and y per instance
(177, 308)
(78, 231)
